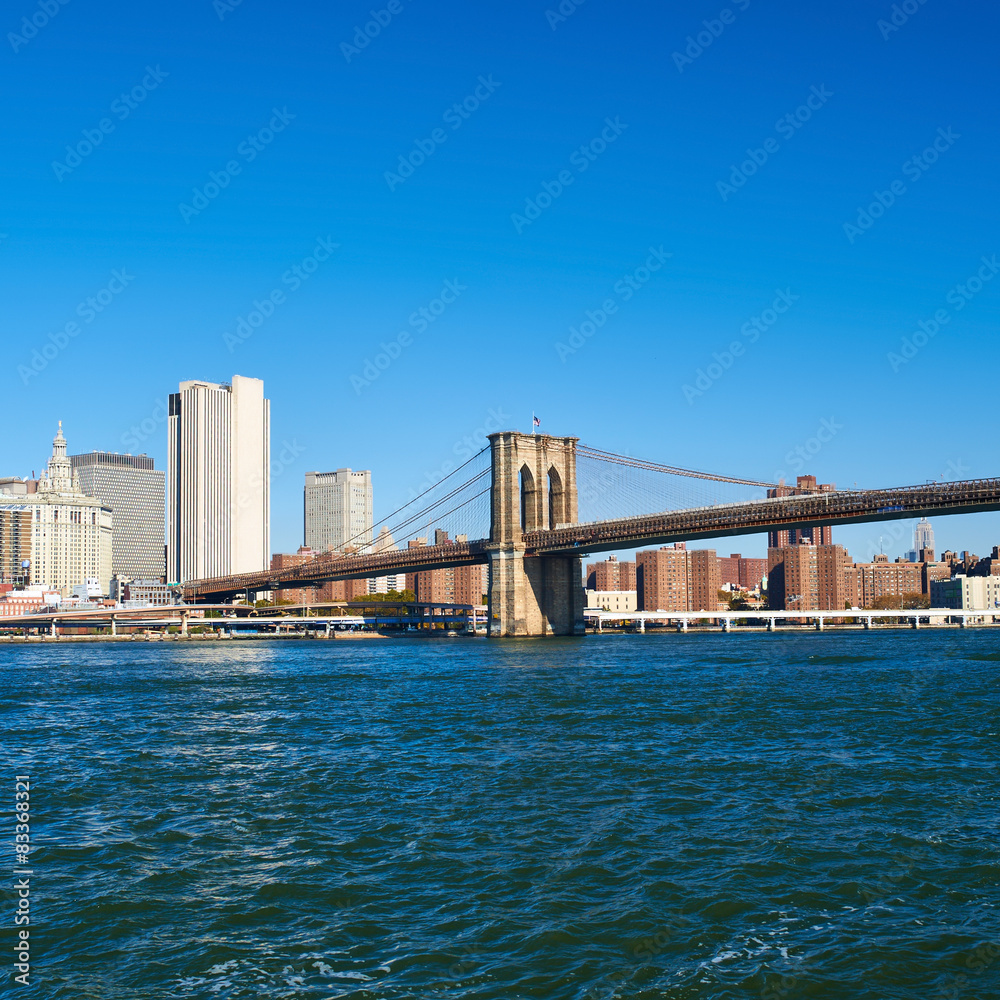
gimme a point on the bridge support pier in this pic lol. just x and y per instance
(770, 624)
(114, 625)
(868, 623)
(534, 595)
(727, 625)
(533, 489)
(819, 625)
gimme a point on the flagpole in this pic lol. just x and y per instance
(532, 423)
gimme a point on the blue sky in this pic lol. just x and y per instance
(304, 132)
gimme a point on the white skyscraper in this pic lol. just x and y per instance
(218, 480)
(338, 510)
(923, 535)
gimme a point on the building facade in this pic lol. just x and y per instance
(135, 492)
(807, 577)
(672, 578)
(338, 510)
(738, 571)
(613, 600)
(71, 533)
(611, 575)
(218, 479)
(868, 582)
(662, 579)
(15, 542)
(969, 593)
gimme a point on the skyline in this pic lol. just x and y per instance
(894, 533)
(313, 135)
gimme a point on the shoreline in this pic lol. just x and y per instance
(355, 636)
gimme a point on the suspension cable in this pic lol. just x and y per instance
(638, 463)
(408, 503)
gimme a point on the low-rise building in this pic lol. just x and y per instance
(868, 582)
(613, 600)
(967, 593)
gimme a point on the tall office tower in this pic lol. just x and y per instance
(71, 532)
(338, 510)
(923, 538)
(134, 491)
(218, 479)
(818, 535)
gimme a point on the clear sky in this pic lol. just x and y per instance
(734, 151)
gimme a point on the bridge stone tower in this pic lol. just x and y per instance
(534, 488)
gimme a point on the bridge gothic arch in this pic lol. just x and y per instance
(557, 499)
(528, 500)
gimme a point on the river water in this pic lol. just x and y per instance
(680, 816)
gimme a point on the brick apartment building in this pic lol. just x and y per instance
(807, 577)
(611, 575)
(672, 578)
(867, 582)
(737, 571)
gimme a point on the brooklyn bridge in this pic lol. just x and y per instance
(540, 503)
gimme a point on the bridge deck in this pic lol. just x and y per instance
(749, 517)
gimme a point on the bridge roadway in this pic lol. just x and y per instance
(721, 520)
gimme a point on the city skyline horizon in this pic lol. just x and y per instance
(753, 546)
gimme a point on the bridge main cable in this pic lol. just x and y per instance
(638, 463)
(430, 489)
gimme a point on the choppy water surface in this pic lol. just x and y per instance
(672, 816)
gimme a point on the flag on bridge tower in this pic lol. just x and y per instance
(535, 422)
